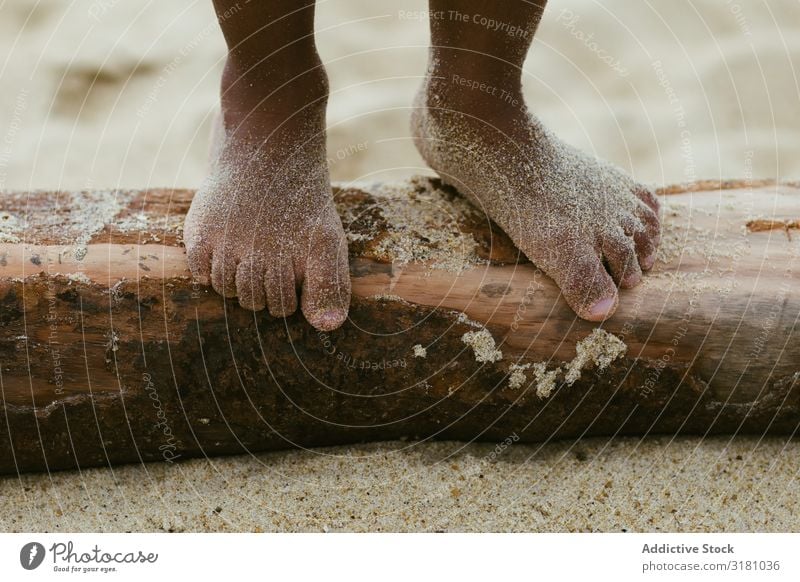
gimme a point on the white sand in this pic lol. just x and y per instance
(597, 485)
(700, 89)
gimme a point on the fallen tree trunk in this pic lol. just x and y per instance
(110, 353)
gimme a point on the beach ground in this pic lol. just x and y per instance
(113, 94)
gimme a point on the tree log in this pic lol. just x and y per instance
(111, 353)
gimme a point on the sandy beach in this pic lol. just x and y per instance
(108, 94)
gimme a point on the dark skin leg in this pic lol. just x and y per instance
(263, 226)
(581, 220)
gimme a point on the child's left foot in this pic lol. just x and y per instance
(584, 222)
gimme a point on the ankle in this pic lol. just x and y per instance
(273, 90)
(474, 93)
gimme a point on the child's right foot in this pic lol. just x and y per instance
(263, 225)
(582, 221)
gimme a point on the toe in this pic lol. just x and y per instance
(198, 255)
(648, 237)
(223, 273)
(326, 286)
(250, 285)
(281, 289)
(648, 197)
(619, 252)
(586, 285)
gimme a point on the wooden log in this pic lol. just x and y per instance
(110, 353)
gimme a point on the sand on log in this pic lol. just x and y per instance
(111, 353)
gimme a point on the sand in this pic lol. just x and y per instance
(109, 94)
(595, 351)
(619, 484)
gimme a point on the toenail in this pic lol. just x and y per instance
(648, 262)
(329, 320)
(602, 307)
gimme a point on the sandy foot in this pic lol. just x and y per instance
(583, 221)
(264, 225)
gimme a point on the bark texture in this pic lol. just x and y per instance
(110, 353)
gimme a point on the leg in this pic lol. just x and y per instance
(263, 224)
(581, 220)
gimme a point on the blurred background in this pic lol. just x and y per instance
(106, 94)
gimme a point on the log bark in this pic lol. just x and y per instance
(110, 353)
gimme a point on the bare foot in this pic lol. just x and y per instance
(582, 221)
(263, 225)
